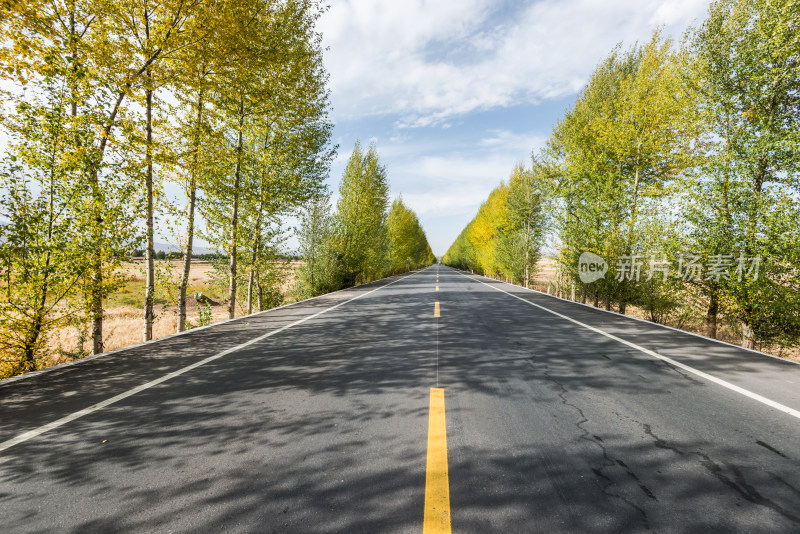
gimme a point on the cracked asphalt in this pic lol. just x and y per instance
(322, 427)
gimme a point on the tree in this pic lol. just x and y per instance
(523, 234)
(630, 136)
(249, 133)
(505, 236)
(41, 256)
(91, 47)
(361, 217)
(195, 153)
(291, 163)
(408, 246)
(160, 33)
(54, 46)
(274, 111)
(748, 77)
(321, 272)
(585, 180)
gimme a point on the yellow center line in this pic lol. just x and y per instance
(437, 484)
(437, 288)
(436, 309)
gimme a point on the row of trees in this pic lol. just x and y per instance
(505, 237)
(363, 239)
(681, 167)
(112, 100)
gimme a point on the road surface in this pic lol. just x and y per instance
(463, 403)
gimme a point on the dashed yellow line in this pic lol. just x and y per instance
(437, 288)
(436, 309)
(437, 483)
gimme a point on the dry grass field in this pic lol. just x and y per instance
(123, 322)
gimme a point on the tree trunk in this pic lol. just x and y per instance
(711, 316)
(623, 294)
(250, 288)
(96, 268)
(235, 217)
(252, 280)
(311, 272)
(95, 293)
(748, 341)
(28, 362)
(256, 247)
(96, 289)
(187, 256)
(96, 302)
(527, 267)
(260, 297)
(150, 282)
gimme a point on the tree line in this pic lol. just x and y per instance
(111, 101)
(680, 166)
(505, 237)
(364, 239)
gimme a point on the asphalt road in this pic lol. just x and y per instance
(552, 426)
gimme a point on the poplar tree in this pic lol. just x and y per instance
(274, 110)
(361, 217)
(630, 136)
(408, 246)
(198, 146)
(69, 42)
(585, 180)
(504, 238)
(158, 33)
(523, 234)
(42, 259)
(322, 269)
(85, 131)
(747, 72)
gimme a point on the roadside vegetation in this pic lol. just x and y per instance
(680, 166)
(110, 101)
(364, 239)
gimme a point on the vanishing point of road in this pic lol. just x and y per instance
(434, 401)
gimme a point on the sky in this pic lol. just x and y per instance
(455, 93)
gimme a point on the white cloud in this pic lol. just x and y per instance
(678, 12)
(415, 72)
(430, 61)
(451, 183)
(511, 140)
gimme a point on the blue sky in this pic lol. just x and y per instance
(455, 93)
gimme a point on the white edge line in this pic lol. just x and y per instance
(79, 361)
(25, 436)
(651, 323)
(719, 381)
